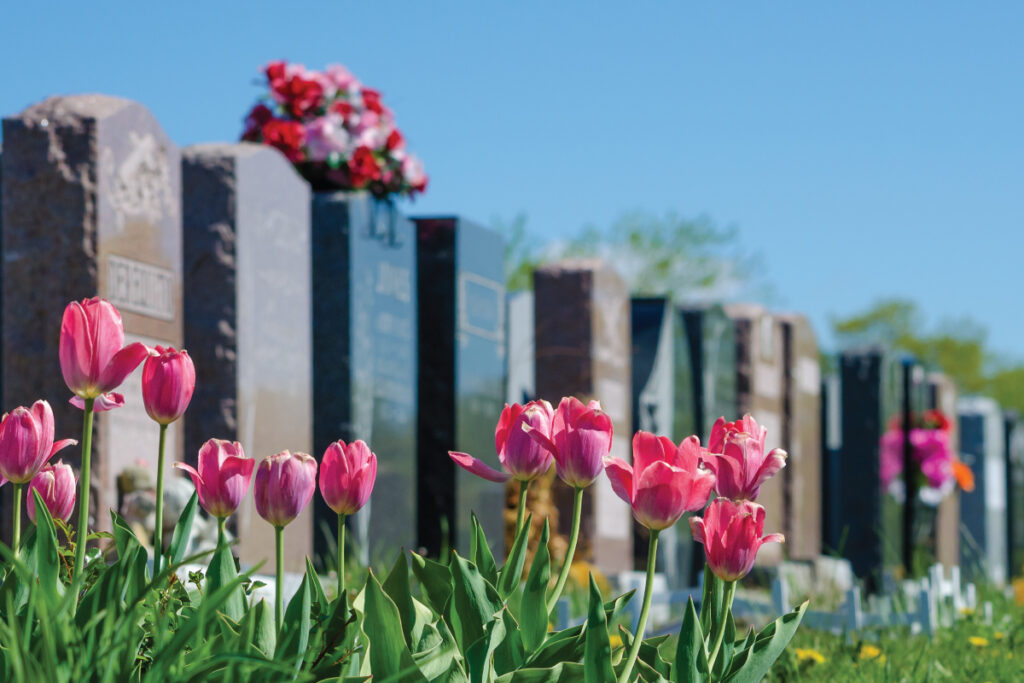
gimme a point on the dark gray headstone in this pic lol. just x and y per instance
(983, 511)
(92, 205)
(248, 317)
(364, 360)
(712, 339)
(460, 268)
(1014, 437)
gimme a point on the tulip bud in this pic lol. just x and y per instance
(168, 380)
(222, 478)
(347, 474)
(284, 486)
(26, 442)
(92, 359)
(731, 535)
(736, 456)
(581, 437)
(664, 481)
(56, 486)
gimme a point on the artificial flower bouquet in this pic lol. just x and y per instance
(338, 132)
(937, 471)
(69, 615)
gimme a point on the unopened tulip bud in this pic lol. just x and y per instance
(168, 380)
(284, 486)
(222, 478)
(56, 486)
(731, 535)
(347, 474)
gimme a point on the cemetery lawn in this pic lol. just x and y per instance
(970, 651)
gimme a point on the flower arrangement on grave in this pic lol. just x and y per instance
(71, 614)
(937, 470)
(337, 132)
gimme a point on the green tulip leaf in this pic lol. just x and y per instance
(183, 530)
(390, 659)
(534, 613)
(294, 636)
(597, 657)
(512, 572)
(752, 664)
(481, 554)
(691, 662)
(435, 580)
(222, 572)
(474, 602)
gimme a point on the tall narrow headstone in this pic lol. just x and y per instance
(92, 206)
(582, 337)
(522, 382)
(461, 378)
(759, 380)
(248, 317)
(364, 361)
(711, 335)
(1014, 437)
(942, 397)
(983, 511)
(831, 448)
(663, 404)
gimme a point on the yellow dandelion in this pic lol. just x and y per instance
(998, 635)
(881, 659)
(966, 611)
(868, 651)
(809, 655)
(977, 641)
(1018, 591)
(615, 640)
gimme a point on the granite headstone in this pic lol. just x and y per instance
(1014, 439)
(983, 511)
(942, 397)
(522, 382)
(248, 309)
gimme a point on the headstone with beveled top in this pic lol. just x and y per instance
(248, 318)
(582, 346)
(92, 205)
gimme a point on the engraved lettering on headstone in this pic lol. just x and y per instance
(481, 307)
(140, 287)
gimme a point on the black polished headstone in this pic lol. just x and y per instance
(1014, 441)
(461, 379)
(983, 510)
(364, 361)
(712, 340)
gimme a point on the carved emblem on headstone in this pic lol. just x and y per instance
(139, 186)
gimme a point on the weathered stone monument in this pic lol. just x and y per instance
(582, 337)
(942, 396)
(92, 206)
(663, 403)
(462, 343)
(248, 311)
(983, 511)
(364, 361)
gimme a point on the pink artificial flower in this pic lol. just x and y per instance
(736, 456)
(665, 480)
(522, 457)
(168, 381)
(412, 170)
(26, 442)
(92, 359)
(285, 483)
(341, 77)
(56, 485)
(730, 532)
(890, 456)
(222, 478)
(581, 437)
(326, 135)
(347, 475)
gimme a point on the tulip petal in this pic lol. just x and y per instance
(102, 403)
(773, 462)
(122, 365)
(76, 347)
(61, 445)
(621, 476)
(478, 467)
(773, 538)
(541, 438)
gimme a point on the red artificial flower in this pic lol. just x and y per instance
(371, 100)
(286, 136)
(301, 95)
(275, 73)
(363, 167)
(342, 108)
(254, 122)
(395, 140)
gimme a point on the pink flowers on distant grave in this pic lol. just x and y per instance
(930, 452)
(730, 532)
(522, 456)
(665, 480)
(168, 381)
(284, 486)
(347, 475)
(26, 442)
(222, 478)
(337, 131)
(737, 457)
(93, 357)
(56, 486)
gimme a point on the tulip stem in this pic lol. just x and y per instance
(730, 591)
(17, 518)
(279, 584)
(83, 500)
(524, 488)
(158, 532)
(221, 535)
(563, 575)
(638, 637)
(341, 555)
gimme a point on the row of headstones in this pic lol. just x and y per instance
(981, 531)
(310, 316)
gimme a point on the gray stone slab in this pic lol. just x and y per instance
(92, 189)
(983, 511)
(248, 317)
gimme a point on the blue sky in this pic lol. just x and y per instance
(864, 150)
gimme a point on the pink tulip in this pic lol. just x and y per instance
(168, 380)
(222, 478)
(91, 355)
(736, 456)
(26, 442)
(731, 535)
(522, 456)
(284, 486)
(581, 437)
(665, 480)
(56, 485)
(347, 473)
